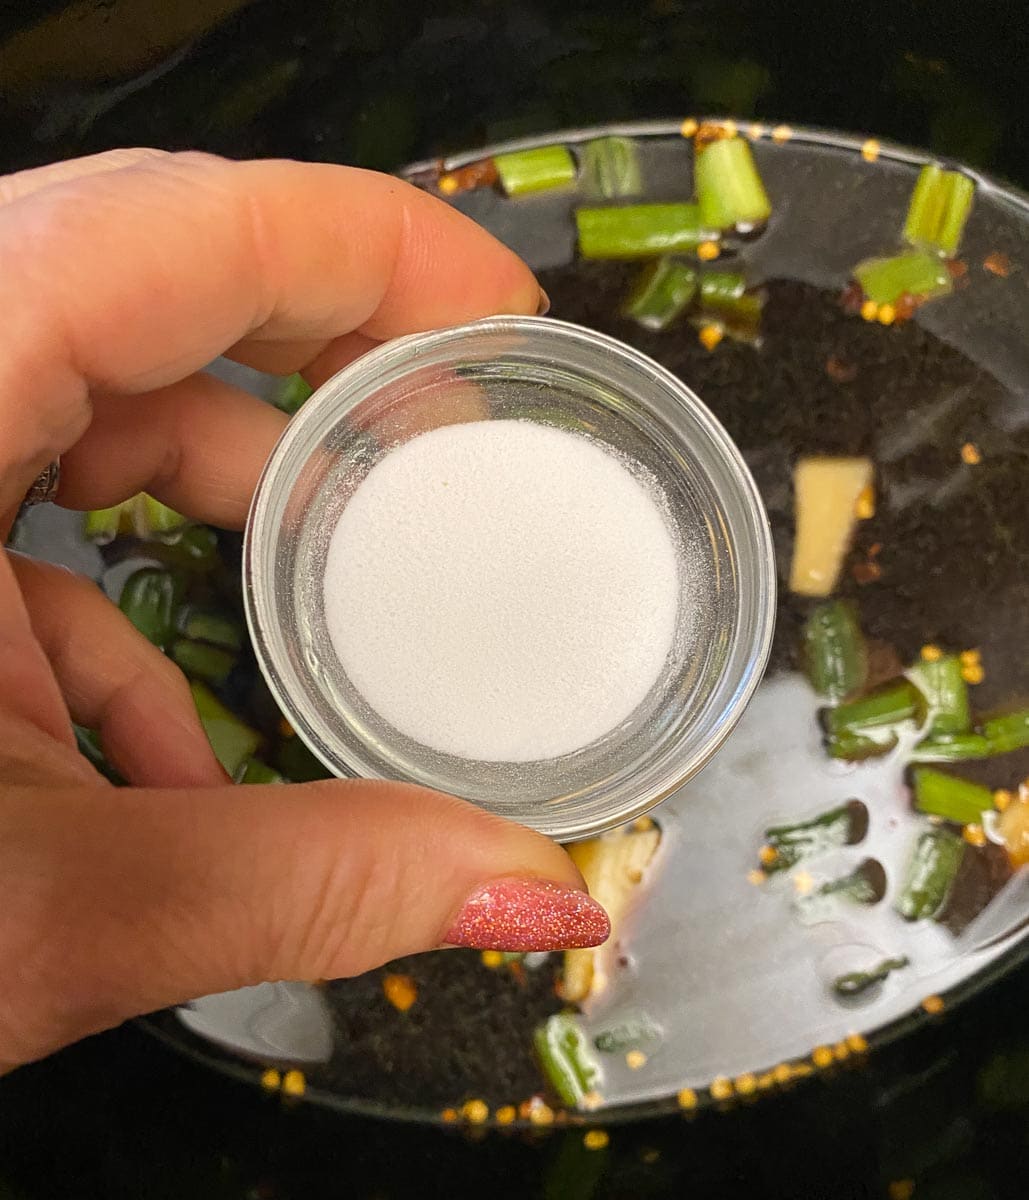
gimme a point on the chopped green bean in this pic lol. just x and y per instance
(630, 1034)
(564, 1054)
(150, 599)
(664, 290)
(611, 169)
(202, 661)
(856, 982)
(835, 654)
(866, 884)
(1007, 732)
(856, 747)
(232, 740)
(730, 193)
(786, 845)
(640, 230)
(934, 864)
(293, 392)
(939, 208)
(881, 710)
(255, 771)
(956, 747)
(941, 795)
(219, 630)
(946, 695)
(297, 763)
(916, 273)
(544, 169)
(194, 548)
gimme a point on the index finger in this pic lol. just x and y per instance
(131, 279)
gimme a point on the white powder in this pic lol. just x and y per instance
(502, 590)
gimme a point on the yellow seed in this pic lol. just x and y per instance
(635, 875)
(286, 730)
(931, 653)
(505, 1115)
(821, 1056)
(864, 506)
(756, 130)
(857, 1043)
(492, 959)
(688, 128)
(596, 1139)
(1001, 799)
(969, 658)
(756, 877)
(635, 1059)
(746, 1084)
(781, 1073)
(869, 310)
(841, 1051)
(973, 835)
(768, 855)
(271, 1079)
(400, 990)
(801, 1070)
(933, 1005)
(973, 674)
(591, 1101)
(721, 1088)
(887, 314)
(448, 184)
(650, 1154)
(970, 454)
(901, 1189)
(782, 133)
(449, 1115)
(707, 251)
(294, 1083)
(803, 883)
(710, 336)
(766, 1080)
(687, 1098)
(475, 1112)
(642, 824)
(870, 150)
(729, 128)
(541, 1114)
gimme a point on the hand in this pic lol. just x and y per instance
(122, 276)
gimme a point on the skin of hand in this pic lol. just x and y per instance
(123, 275)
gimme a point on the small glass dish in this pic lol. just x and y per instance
(553, 373)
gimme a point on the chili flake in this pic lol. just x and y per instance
(970, 454)
(400, 990)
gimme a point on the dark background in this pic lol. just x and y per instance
(383, 82)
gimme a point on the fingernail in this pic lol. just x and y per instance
(544, 304)
(528, 914)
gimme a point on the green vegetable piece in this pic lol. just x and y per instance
(632, 1033)
(611, 169)
(834, 650)
(201, 661)
(958, 747)
(729, 190)
(195, 548)
(940, 204)
(947, 796)
(946, 695)
(842, 826)
(878, 714)
(663, 292)
(255, 771)
(545, 169)
(150, 599)
(564, 1053)
(297, 763)
(211, 627)
(293, 392)
(866, 884)
(1007, 732)
(640, 230)
(916, 273)
(233, 741)
(856, 982)
(934, 864)
(856, 747)
(141, 515)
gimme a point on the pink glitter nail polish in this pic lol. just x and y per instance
(528, 914)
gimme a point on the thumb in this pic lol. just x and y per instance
(119, 901)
